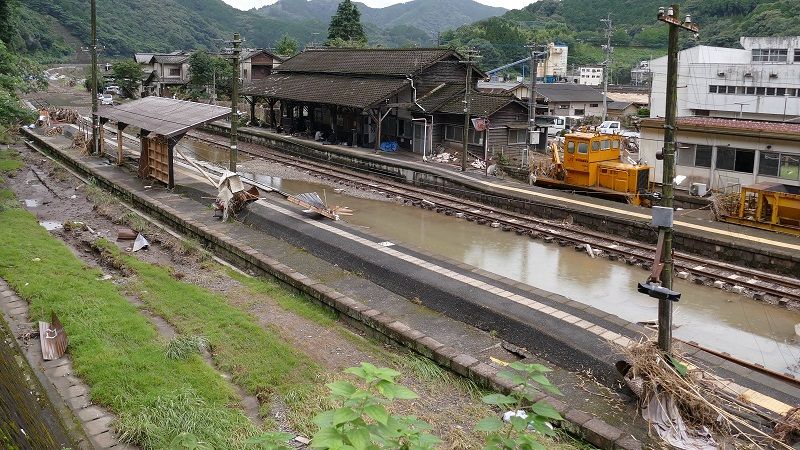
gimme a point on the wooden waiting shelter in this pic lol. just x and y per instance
(162, 123)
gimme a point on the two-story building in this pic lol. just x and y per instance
(590, 76)
(162, 73)
(256, 64)
(761, 81)
(557, 99)
(411, 97)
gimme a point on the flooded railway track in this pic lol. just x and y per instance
(772, 288)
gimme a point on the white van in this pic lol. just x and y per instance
(610, 127)
(554, 124)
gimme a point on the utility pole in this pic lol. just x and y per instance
(95, 117)
(667, 199)
(607, 64)
(471, 54)
(534, 62)
(237, 42)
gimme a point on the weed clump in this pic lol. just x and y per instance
(182, 347)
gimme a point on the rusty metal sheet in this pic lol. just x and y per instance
(53, 338)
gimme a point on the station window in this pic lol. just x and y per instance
(452, 132)
(516, 136)
(702, 156)
(769, 163)
(583, 148)
(735, 159)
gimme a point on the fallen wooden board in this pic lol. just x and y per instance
(53, 338)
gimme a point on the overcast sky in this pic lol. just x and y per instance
(509, 4)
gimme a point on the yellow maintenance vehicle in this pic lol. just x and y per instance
(769, 206)
(591, 164)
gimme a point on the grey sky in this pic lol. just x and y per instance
(509, 4)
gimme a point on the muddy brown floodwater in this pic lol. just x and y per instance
(716, 319)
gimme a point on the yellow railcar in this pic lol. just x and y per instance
(769, 206)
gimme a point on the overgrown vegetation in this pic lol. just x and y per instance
(258, 359)
(113, 347)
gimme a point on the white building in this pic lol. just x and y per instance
(554, 67)
(590, 76)
(759, 82)
(641, 73)
(722, 153)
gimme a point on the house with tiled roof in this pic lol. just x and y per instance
(363, 97)
(162, 73)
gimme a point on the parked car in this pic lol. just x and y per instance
(610, 127)
(105, 99)
(113, 89)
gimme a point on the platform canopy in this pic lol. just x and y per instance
(163, 116)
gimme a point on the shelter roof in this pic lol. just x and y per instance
(165, 116)
(481, 103)
(568, 92)
(358, 92)
(379, 61)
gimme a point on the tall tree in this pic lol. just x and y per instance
(346, 25)
(286, 46)
(6, 7)
(128, 75)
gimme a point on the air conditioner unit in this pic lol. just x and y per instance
(698, 189)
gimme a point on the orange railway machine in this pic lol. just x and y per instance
(593, 161)
(769, 206)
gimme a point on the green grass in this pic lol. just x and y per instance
(114, 348)
(296, 302)
(258, 359)
(9, 161)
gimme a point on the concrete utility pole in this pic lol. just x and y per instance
(95, 117)
(534, 61)
(471, 54)
(237, 42)
(665, 305)
(606, 64)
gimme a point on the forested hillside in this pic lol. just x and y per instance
(637, 34)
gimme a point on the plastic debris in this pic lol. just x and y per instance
(518, 413)
(140, 243)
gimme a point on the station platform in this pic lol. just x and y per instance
(459, 305)
(697, 235)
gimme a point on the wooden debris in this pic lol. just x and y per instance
(53, 338)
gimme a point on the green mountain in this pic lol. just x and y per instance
(637, 34)
(430, 16)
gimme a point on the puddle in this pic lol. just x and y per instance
(51, 225)
(31, 203)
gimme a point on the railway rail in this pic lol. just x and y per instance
(751, 282)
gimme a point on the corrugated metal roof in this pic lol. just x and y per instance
(380, 61)
(165, 116)
(358, 92)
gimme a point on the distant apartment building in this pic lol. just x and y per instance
(590, 76)
(640, 75)
(554, 67)
(761, 81)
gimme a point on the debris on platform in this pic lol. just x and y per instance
(140, 243)
(689, 408)
(314, 203)
(788, 428)
(53, 338)
(232, 197)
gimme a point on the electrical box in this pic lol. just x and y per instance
(662, 216)
(535, 137)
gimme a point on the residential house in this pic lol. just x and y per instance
(723, 153)
(364, 97)
(761, 81)
(621, 110)
(256, 64)
(557, 99)
(162, 73)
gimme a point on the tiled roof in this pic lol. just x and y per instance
(752, 126)
(358, 92)
(568, 92)
(380, 61)
(170, 59)
(619, 105)
(439, 95)
(480, 104)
